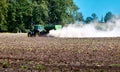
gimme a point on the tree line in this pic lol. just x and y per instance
(108, 17)
(94, 18)
(22, 15)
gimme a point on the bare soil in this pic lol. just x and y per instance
(19, 53)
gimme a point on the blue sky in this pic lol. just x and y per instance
(100, 7)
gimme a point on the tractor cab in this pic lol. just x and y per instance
(38, 28)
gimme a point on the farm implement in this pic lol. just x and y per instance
(40, 30)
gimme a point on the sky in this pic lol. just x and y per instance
(100, 7)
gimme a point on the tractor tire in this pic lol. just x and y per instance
(29, 35)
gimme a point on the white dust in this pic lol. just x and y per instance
(81, 30)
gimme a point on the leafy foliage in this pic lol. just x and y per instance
(5, 64)
(108, 16)
(61, 11)
(3, 15)
(94, 16)
(79, 17)
(20, 15)
(88, 19)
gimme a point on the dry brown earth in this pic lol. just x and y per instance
(19, 53)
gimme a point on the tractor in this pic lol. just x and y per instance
(40, 30)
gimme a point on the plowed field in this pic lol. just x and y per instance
(19, 53)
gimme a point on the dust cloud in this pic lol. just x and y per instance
(81, 30)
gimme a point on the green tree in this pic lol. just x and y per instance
(108, 16)
(79, 17)
(40, 12)
(11, 19)
(61, 11)
(19, 15)
(94, 17)
(102, 19)
(3, 15)
(23, 14)
(88, 20)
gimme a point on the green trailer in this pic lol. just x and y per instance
(40, 30)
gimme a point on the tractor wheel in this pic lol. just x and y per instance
(29, 35)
